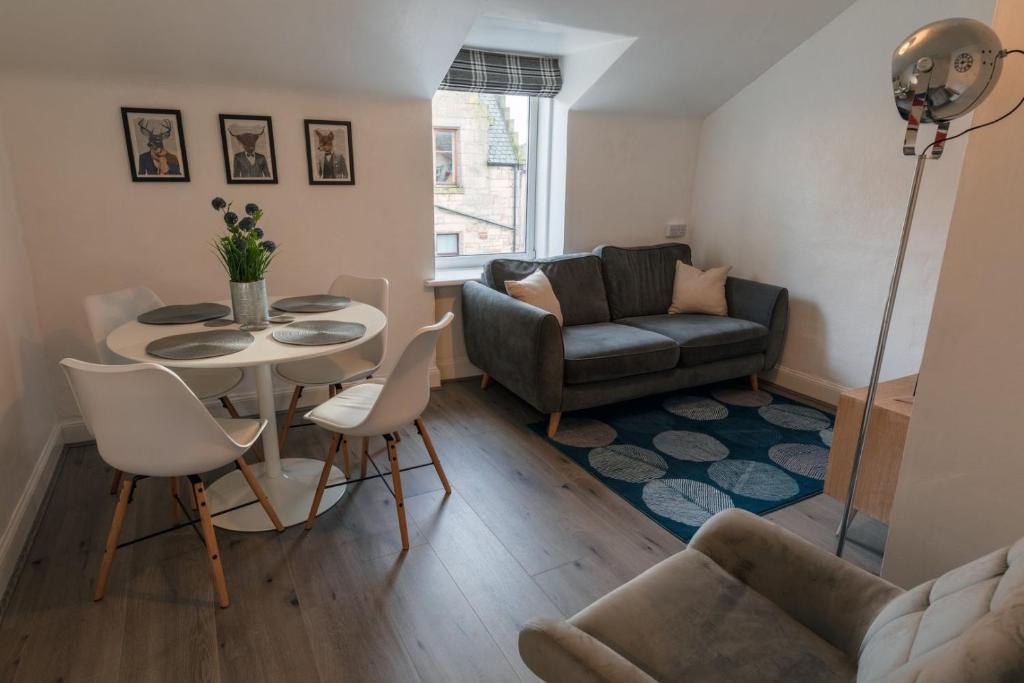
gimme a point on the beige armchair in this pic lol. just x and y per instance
(749, 601)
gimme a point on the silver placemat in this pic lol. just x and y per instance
(312, 303)
(199, 344)
(318, 332)
(183, 314)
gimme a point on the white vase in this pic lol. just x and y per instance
(249, 302)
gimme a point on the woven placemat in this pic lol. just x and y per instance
(312, 303)
(183, 314)
(319, 332)
(197, 345)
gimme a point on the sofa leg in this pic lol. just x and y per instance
(753, 382)
(485, 381)
(553, 424)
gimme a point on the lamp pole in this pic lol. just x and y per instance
(876, 368)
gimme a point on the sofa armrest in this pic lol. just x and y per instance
(767, 305)
(517, 344)
(833, 598)
(559, 652)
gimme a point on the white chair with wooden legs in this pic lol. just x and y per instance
(381, 408)
(148, 423)
(106, 312)
(345, 366)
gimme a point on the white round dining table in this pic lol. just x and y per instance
(289, 482)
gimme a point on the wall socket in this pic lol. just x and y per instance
(675, 230)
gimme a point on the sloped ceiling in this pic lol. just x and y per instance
(688, 58)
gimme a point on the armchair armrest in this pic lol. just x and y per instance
(558, 651)
(767, 305)
(833, 598)
(517, 344)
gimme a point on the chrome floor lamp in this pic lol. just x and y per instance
(939, 73)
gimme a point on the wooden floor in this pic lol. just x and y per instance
(525, 533)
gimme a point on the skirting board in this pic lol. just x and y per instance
(457, 368)
(800, 382)
(19, 528)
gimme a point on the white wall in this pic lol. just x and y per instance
(959, 494)
(801, 182)
(28, 435)
(88, 228)
(627, 176)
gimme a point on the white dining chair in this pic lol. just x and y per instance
(381, 408)
(339, 368)
(148, 423)
(108, 311)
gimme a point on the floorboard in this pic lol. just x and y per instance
(526, 533)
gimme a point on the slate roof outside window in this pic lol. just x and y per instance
(502, 143)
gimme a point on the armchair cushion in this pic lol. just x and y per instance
(575, 278)
(705, 338)
(688, 619)
(608, 351)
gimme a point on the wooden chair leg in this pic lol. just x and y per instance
(754, 383)
(331, 391)
(115, 483)
(175, 509)
(553, 424)
(261, 495)
(365, 458)
(485, 381)
(220, 586)
(324, 476)
(296, 394)
(115, 533)
(346, 465)
(229, 406)
(422, 428)
(396, 478)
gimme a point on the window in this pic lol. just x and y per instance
(446, 157)
(447, 243)
(484, 151)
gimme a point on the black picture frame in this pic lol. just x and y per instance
(270, 164)
(312, 163)
(139, 167)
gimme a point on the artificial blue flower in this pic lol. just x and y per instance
(268, 247)
(231, 218)
(218, 203)
(258, 232)
(246, 224)
(251, 208)
(240, 244)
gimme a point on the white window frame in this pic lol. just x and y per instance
(458, 241)
(540, 113)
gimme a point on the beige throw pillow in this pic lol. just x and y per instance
(699, 291)
(535, 289)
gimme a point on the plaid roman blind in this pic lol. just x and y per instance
(501, 73)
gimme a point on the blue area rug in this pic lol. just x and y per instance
(681, 457)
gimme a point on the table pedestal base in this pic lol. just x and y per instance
(291, 495)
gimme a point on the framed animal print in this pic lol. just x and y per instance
(329, 152)
(156, 144)
(248, 149)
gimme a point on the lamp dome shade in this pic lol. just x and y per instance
(959, 62)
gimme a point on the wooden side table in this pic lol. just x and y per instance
(883, 452)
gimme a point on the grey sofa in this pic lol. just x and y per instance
(618, 342)
(750, 601)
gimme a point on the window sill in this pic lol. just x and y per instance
(451, 277)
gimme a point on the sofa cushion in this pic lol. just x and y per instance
(639, 279)
(576, 279)
(705, 338)
(604, 351)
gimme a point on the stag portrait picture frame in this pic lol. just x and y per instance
(155, 139)
(329, 153)
(248, 142)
